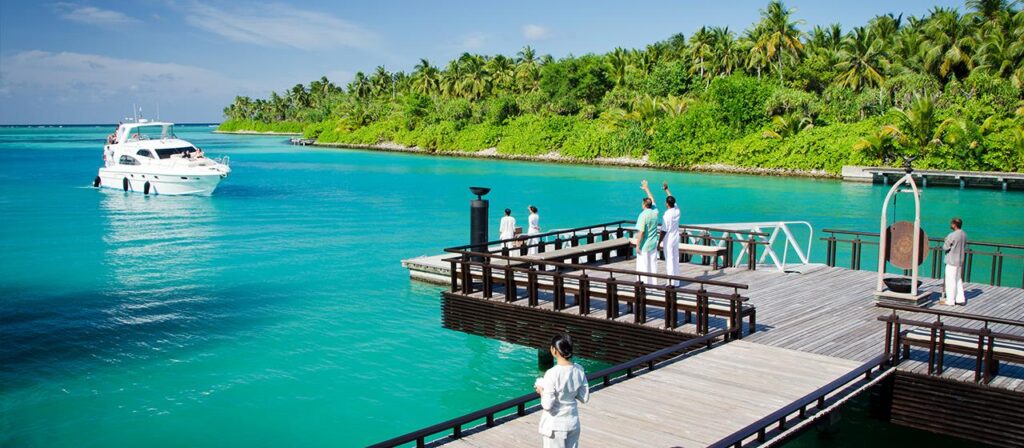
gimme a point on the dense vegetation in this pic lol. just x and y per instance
(946, 87)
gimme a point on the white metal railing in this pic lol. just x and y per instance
(769, 244)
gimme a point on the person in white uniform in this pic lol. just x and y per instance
(669, 231)
(955, 245)
(646, 240)
(507, 228)
(560, 389)
(533, 229)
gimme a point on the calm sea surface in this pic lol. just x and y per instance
(276, 312)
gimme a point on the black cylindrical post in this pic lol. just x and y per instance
(478, 220)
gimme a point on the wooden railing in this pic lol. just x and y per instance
(799, 408)
(578, 280)
(526, 404)
(557, 239)
(986, 343)
(998, 253)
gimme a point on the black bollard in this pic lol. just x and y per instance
(478, 220)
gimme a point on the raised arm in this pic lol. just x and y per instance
(664, 186)
(647, 189)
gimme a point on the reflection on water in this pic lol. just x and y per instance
(158, 251)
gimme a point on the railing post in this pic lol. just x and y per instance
(855, 254)
(559, 292)
(751, 254)
(467, 276)
(532, 293)
(685, 239)
(511, 293)
(830, 248)
(488, 280)
(558, 242)
(968, 265)
(613, 298)
(702, 311)
(671, 306)
(454, 273)
(584, 294)
(640, 297)
(997, 261)
(728, 250)
(735, 322)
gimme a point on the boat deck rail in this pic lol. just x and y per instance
(994, 255)
(522, 405)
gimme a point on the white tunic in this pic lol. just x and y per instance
(507, 230)
(534, 221)
(563, 385)
(670, 223)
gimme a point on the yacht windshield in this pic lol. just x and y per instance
(152, 132)
(166, 153)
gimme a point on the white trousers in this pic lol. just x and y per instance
(954, 286)
(563, 439)
(646, 262)
(533, 242)
(672, 256)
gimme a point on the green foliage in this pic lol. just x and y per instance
(672, 78)
(739, 100)
(947, 86)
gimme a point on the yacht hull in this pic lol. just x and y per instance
(162, 184)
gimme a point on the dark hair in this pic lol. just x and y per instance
(648, 203)
(671, 201)
(563, 344)
(508, 211)
(533, 209)
(959, 223)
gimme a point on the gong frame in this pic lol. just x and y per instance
(883, 243)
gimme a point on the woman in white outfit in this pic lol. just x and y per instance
(560, 388)
(507, 229)
(534, 229)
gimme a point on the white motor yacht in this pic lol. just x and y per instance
(146, 157)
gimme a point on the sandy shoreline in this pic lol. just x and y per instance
(555, 157)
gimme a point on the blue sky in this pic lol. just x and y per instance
(88, 61)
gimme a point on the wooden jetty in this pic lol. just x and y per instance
(961, 179)
(696, 354)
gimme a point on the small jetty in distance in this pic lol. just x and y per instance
(302, 141)
(959, 179)
(756, 344)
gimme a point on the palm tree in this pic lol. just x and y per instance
(360, 86)
(780, 34)
(757, 58)
(917, 126)
(618, 62)
(988, 9)
(381, 81)
(861, 60)
(675, 106)
(948, 43)
(476, 82)
(726, 51)
(785, 126)
(701, 45)
(451, 80)
(425, 78)
(527, 72)
(878, 145)
(502, 72)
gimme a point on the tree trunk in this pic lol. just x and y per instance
(781, 82)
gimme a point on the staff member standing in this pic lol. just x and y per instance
(507, 229)
(670, 229)
(646, 240)
(954, 246)
(534, 229)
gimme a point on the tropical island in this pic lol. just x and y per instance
(946, 88)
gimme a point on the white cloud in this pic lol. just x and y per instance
(536, 32)
(99, 76)
(91, 15)
(472, 41)
(277, 25)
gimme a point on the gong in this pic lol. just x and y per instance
(900, 250)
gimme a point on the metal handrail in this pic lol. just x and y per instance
(650, 361)
(542, 235)
(934, 240)
(760, 426)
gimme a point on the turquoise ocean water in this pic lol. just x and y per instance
(276, 312)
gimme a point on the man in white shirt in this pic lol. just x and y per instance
(507, 229)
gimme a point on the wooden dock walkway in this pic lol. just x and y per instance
(694, 402)
(815, 324)
(962, 179)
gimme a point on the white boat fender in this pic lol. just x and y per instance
(145, 188)
(96, 182)
(125, 184)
